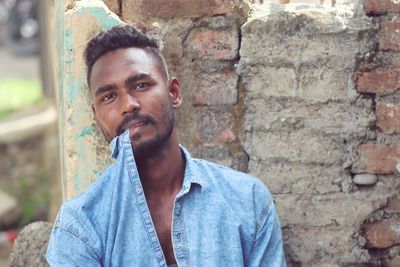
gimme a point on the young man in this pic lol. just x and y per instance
(156, 206)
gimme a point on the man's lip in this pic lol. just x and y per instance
(135, 125)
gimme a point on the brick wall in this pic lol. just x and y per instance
(379, 77)
(304, 97)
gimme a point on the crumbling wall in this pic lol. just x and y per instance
(304, 97)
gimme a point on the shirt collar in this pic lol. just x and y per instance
(116, 143)
(192, 173)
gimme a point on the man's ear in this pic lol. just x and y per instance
(175, 92)
(94, 114)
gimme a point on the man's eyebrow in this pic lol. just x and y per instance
(104, 88)
(138, 77)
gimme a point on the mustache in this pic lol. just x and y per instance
(134, 117)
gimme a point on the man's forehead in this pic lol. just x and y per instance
(124, 56)
(123, 59)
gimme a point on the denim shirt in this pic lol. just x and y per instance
(221, 217)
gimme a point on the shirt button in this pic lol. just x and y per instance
(159, 254)
(138, 190)
(178, 213)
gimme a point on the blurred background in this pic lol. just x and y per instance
(29, 158)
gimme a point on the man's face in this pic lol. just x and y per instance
(131, 92)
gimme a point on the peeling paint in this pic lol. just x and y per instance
(85, 131)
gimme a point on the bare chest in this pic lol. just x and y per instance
(162, 219)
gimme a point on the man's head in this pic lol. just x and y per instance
(121, 36)
(130, 88)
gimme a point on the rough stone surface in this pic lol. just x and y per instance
(380, 7)
(382, 234)
(378, 80)
(113, 5)
(30, 246)
(329, 247)
(377, 158)
(82, 143)
(388, 117)
(216, 89)
(365, 179)
(390, 36)
(176, 8)
(215, 125)
(204, 43)
(303, 118)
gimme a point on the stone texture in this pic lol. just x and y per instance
(388, 117)
(270, 81)
(273, 36)
(337, 209)
(328, 247)
(176, 8)
(276, 115)
(113, 5)
(378, 80)
(215, 126)
(381, 7)
(205, 43)
(323, 83)
(382, 234)
(303, 118)
(377, 158)
(284, 177)
(365, 179)
(390, 36)
(30, 246)
(216, 89)
(293, 146)
(393, 205)
(82, 144)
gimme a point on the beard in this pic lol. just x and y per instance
(143, 147)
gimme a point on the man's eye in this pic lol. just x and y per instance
(108, 97)
(142, 85)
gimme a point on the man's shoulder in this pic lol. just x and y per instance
(231, 180)
(84, 206)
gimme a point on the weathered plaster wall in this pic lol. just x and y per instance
(304, 97)
(84, 150)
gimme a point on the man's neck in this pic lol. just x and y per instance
(162, 173)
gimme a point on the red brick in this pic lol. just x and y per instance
(393, 205)
(377, 158)
(378, 80)
(216, 89)
(380, 7)
(204, 43)
(388, 117)
(382, 234)
(390, 36)
(214, 126)
(179, 8)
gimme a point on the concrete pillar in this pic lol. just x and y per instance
(84, 152)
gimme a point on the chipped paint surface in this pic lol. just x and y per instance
(85, 152)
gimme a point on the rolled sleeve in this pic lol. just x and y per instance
(268, 246)
(66, 249)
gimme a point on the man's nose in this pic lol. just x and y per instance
(129, 104)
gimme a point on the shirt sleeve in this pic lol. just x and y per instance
(71, 242)
(66, 249)
(267, 248)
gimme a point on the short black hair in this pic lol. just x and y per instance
(121, 36)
